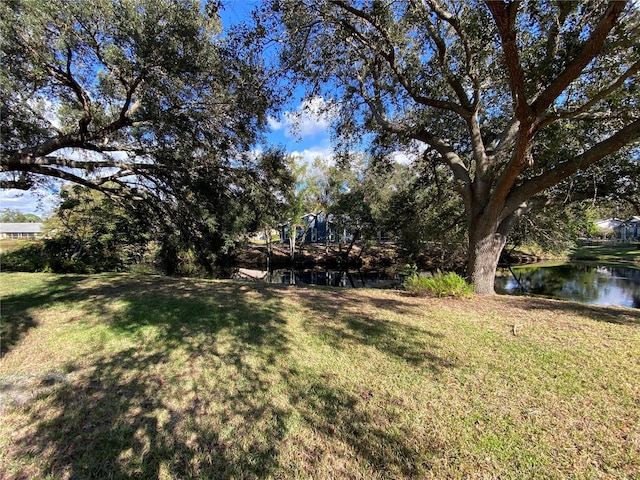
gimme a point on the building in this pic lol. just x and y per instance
(317, 228)
(630, 229)
(20, 230)
(313, 229)
(616, 228)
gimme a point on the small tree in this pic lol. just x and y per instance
(8, 215)
(98, 231)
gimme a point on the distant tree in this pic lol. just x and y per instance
(422, 209)
(515, 98)
(92, 230)
(8, 215)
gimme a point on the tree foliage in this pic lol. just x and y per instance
(140, 99)
(87, 232)
(516, 98)
(9, 215)
(143, 87)
(93, 229)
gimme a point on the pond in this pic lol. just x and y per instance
(333, 278)
(591, 284)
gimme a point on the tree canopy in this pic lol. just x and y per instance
(16, 216)
(515, 106)
(516, 99)
(139, 99)
(122, 93)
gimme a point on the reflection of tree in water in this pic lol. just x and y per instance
(582, 283)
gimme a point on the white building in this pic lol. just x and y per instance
(20, 230)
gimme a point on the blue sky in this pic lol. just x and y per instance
(302, 129)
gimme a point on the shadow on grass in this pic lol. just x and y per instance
(620, 316)
(118, 422)
(361, 320)
(180, 403)
(361, 426)
(17, 318)
(196, 384)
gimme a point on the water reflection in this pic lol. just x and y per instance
(593, 284)
(353, 279)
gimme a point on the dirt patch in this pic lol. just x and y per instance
(22, 390)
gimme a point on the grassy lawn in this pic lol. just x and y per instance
(8, 244)
(117, 376)
(616, 253)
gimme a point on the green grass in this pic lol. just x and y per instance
(439, 284)
(118, 376)
(617, 253)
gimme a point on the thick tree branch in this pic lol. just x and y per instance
(388, 54)
(451, 158)
(451, 78)
(504, 15)
(68, 176)
(81, 96)
(553, 176)
(21, 164)
(75, 140)
(553, 37)
(591, 48)
(582, 112)
(452, 20)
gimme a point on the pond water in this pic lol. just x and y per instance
(349, 279)
(592, 284)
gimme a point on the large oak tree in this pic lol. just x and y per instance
(143, 99)
(514, 97)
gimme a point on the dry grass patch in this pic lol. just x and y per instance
(117, 376)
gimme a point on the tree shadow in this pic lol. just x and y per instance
(200, 386)
(17, 319)
(115, 423)
(181, 402)
(620, 316)
(362, 426)
(365, 322)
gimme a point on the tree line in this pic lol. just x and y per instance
(512, 110)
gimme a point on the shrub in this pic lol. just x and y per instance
(438, 285)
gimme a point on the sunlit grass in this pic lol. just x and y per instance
(117, 376)
(617, 253)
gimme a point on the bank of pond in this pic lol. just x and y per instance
(596, 284)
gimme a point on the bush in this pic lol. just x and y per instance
(57, 255)
(438, 285)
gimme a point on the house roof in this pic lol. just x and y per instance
(609, 223)
(20, 227)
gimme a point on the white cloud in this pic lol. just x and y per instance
(314, 116)
(410, 154)
(403, 157)
(41, 201)
(309, 155)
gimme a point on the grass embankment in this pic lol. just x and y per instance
(115, 376)
(609, 253)
(9, 245)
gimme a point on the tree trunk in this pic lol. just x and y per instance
(485, 247)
